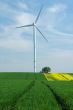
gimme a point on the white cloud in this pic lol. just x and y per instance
(22, 5)
(54, 15)
(61, 53)
(10, 36)
(16, 66)
(57, 8)
(59, 33)
(6, 10)
(17, 45)
(3, 7)
(59, 60)
(24, 18)
(12, 39)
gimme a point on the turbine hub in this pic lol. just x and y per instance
(34, 24)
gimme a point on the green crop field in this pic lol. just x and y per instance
(28, 91)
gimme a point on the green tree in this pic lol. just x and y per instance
(46, 69)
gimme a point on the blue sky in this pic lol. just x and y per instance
(16, 45)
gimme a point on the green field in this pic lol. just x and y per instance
(28, 91)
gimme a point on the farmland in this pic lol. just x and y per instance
(28, 91)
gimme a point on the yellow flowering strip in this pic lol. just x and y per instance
(69, 77)
(58, 76)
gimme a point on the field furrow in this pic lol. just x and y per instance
(27, 89)
(58, 98)
(38, 98)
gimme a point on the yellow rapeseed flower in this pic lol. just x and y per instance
(69, 77)
(58, 76)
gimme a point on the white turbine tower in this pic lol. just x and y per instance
(34, 35)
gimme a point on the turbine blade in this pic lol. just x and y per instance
(41, 34)
(25, 26)
(38, 15)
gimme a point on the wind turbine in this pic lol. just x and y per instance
(34, 35)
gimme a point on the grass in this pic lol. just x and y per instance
(10, 91)
(64, 89)
(28, 91)
(37, 98)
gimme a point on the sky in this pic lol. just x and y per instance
(16, 44)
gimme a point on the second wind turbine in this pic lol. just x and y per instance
(34, 35)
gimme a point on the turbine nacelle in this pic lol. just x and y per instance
(34, 24)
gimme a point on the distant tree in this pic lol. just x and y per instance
(46, 69)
